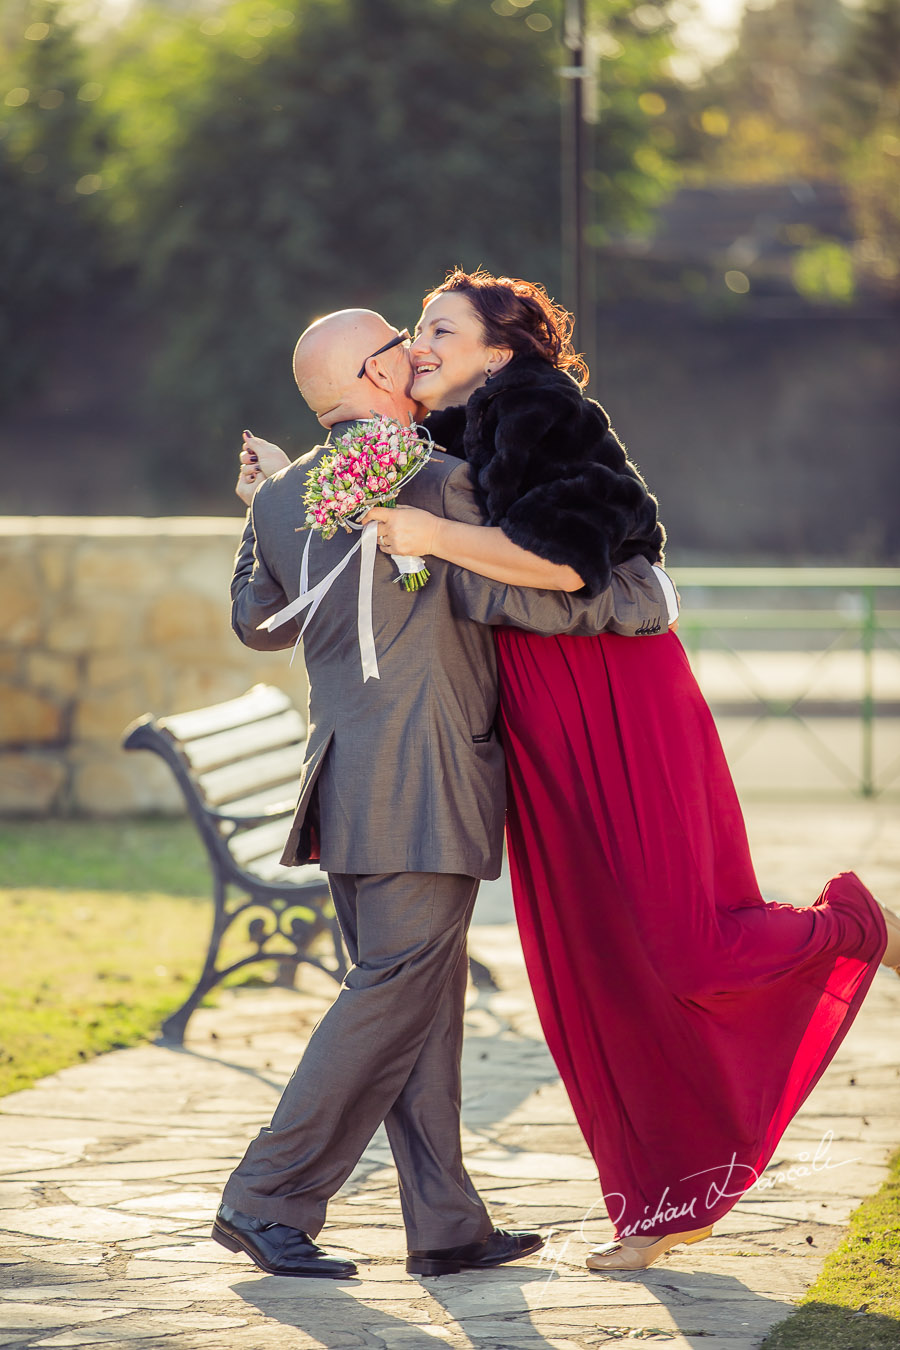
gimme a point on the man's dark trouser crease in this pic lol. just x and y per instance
(388, 1049)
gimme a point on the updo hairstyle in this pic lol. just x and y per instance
(520, 315)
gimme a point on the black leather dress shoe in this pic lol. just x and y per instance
(497, 1248)
(276, 1248)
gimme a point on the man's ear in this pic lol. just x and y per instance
(380, 373)
(387, 373)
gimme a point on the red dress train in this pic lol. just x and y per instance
(688, 1017)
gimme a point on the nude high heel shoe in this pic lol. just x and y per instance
(616, 1256)
(892, 923)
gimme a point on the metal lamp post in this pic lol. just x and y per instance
(578, 288)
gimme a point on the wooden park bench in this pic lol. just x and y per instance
(238, 766)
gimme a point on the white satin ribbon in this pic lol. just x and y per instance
(311, 599)
(364, 629)
(304, 588)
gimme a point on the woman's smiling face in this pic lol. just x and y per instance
(449, 356)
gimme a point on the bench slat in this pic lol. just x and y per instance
(256, 843)
(275, 769)
(271, 869)
(227, 747)
(263, 700)
(280, 799)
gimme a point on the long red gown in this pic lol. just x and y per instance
(688, 1017)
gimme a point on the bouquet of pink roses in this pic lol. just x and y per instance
(367, 467)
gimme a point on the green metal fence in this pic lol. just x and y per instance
(820, 610)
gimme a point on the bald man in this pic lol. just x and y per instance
(334, 392)
(402, 802)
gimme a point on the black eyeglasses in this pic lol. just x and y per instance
(394, 342)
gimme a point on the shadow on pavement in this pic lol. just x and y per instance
(506, 1308)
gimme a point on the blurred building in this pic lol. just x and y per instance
(750, 364)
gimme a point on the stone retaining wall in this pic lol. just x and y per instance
(102, 619)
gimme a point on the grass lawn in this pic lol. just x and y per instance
(855, 1303)
(104, 930)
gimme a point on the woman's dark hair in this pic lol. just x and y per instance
(520, 315)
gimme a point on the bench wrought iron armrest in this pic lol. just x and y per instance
(220, 827)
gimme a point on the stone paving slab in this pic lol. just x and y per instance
(111, 1171)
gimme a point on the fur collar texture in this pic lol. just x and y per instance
(551, 472)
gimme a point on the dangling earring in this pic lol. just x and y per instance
(488, 375)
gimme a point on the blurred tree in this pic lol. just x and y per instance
(251, 163)
(276, 160)
(51, 151)
(811, 90)
(873, 179)
(866, 82)
(867, 95)
(806, 82)
(632, 148)
(763, 113)
(300, 159)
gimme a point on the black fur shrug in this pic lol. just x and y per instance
(551, 472)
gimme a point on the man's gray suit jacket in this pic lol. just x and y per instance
(405, 773)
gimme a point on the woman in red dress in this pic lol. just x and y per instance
(688, 1017)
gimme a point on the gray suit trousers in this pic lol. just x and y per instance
(388, 1049)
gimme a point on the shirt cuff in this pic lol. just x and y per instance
(668, 591)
